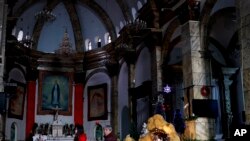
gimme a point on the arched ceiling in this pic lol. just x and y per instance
(83, 20)
(221, 25)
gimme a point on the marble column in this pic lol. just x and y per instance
(243, 7)
(3, 22)
(196, 74)
(155, 72)
(154, 42)
(158, 70)
(131, 75)
(114, 104)
(113, 68)
(228, 72)
(130, 60)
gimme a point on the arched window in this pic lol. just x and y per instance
(20, 35)
(13, 132)
(109, 39)
(121, 24)
(98, 132)
(139, 5)
(134, 13)
(117, 31)
(89, 46)
(14, 31)
(99, 42)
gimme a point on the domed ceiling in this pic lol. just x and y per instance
(85, 21)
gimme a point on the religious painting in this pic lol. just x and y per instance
(55, 93)
(16, 102)
(97, 102)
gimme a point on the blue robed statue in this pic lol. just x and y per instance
(55, 101)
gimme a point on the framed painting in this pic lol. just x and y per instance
(16, 102)
(55, 92)
(97, 102)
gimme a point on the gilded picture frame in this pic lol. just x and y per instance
(97, 102)
(55, 92)
(17, 100)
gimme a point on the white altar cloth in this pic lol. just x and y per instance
(38, 137)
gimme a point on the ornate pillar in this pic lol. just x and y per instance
(112, 66)
(196, 74)
(129, 54)
(3, 21)
(244, 34)
(228, 72)
(30, 114)
(154, 44)
(78, 104)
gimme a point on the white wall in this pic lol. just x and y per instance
(123, 120)
(89, 126)
(143, 67)
(17, 75)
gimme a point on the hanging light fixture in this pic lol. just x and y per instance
(65, 46)
(166, 89)
(45, 15)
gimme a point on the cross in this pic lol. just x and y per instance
(56, 109)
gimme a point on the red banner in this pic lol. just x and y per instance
(78, 104)
(30, 110)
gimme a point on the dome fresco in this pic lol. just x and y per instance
(83, 20)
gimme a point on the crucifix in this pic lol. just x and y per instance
(56, 112)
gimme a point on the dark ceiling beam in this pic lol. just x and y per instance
(70, 7)
(173, 44)
(220, 47)
(125, 10)
(24, 7)
(39, 24)
(103, 16)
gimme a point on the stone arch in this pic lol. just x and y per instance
(102, 14)
(125, 9)
(167, 38)
(204, 18)
(139, 5)
(13, 132)
(94, 72)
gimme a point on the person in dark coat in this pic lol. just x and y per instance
(108, 134)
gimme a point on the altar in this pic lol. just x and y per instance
(57, 133)
(68, 138)
(39, 137)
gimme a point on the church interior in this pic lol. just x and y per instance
(120, 62)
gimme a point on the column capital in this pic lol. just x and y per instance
(191, 28)
(228, 71)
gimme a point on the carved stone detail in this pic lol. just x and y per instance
(228, 72)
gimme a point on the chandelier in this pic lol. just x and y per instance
(136, 25)
(27, 41)
(45, 15)
(65, 46)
